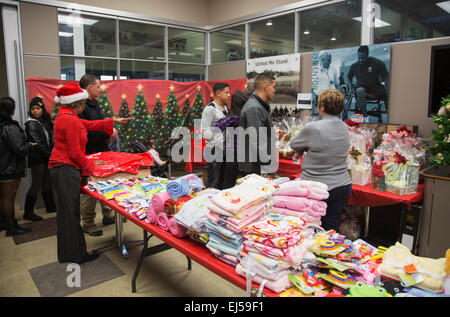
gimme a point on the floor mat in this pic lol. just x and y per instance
(62, 279)
(39, 230)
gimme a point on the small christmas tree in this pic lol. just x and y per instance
(172, 118)
(105, 104)
(141, 122)
(186, 114)
(156, 132)
(440, 152)
(124, 131)
(198, 106)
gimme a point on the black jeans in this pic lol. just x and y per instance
(335, 205)
(40, 179)
(70, 235)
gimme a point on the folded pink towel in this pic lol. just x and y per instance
(302, 188)
(158, 201)
(289, 212)
(301, 204)
(318, 208)
(176, 229)
(152, 215)
(163, 221)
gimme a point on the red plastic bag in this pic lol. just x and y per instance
(116, 162)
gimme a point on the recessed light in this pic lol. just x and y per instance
(306, 32)
(333, 38)
(444, 5)
(269, 23)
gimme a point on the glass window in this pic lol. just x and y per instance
(228, 45)
(185, 73)
(141, 41)
(416, 30)
(141, 70)
(388, 28)
(274, 36)
(86, 35)
(331, 26)
(186, 46)
(74, 68)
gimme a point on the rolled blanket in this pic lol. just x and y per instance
(163, 221)
(173, 206)
(158, 201)
(176, 229)
(152, 215)
(184, 185)
(302, 188)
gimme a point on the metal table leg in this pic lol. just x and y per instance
(367, 217)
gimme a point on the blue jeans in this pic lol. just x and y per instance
(335, 205)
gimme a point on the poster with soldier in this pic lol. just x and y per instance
(361, 73)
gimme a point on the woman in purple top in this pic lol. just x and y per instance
(231, 171)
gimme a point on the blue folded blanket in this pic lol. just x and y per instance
(184, 186)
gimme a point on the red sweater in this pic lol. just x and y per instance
(71, 138)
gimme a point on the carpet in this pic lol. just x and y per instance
(62, 279)
(39, 230)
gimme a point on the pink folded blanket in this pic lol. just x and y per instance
(158, 201)
(176, 229)
(163, 221)
(241, 215)
(235, 224)
(277, 286)
(152, 215)
(309, 218)
(238, 198)
(302, 188)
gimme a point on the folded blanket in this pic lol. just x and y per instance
(277, 286)
(201, 237)
(227, 258)
(176, 229)
(229, 235)
(238, 198)
(261, 183)
(152, 215)
(192, 213)
(232, 223)
(222, 247)
(302, 188)
(275, 225)
(172, 206)
(241, 215)
(184, 185)
(285, 240)
(158, 201)
(261, 270)
(288, 212)
(163, 221)
(269, 263)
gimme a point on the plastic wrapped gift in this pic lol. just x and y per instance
(402, 175)
(378, 177)
(359, 164)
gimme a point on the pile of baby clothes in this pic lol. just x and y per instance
(301, 198)
(192, 215)
(272, 247)
(230, 211)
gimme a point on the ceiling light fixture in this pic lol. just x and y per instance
(444, 5)
(333, 38)
(306, 32)
(269, 23)
(378, 23)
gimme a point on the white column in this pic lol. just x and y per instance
(370, 12)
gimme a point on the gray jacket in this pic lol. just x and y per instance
(255, 113)
(326, 143)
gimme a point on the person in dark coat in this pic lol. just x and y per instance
(13, 148)
(39, 129)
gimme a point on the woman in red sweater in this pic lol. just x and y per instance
(67, 164)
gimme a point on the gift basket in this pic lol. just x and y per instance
(401, 174)
(359, 154)
(287, 128)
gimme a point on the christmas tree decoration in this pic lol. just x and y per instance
(55, 110)
(440, 152)
(105, 104)
(124, 131)
(198, 106)
(186, 114)
(156, 131)
(172, 119)
(141, 122)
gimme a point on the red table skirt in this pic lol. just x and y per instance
(190, 248)
(289, 169)
(365, 196)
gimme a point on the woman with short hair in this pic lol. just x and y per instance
(326, 143)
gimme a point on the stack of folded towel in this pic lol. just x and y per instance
(272, 247)
(230, 210)
(301, 198)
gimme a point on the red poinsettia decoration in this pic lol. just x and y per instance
(404, 128)
(352, 123)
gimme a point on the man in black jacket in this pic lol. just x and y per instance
(97, 142)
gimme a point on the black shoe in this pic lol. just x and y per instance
(88, 257)
(93, 230)
(108, 221)
(29, 214)
(14, 229)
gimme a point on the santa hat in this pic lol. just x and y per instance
(70, 93)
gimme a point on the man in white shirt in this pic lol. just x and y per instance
(327, 76)
(215, 110)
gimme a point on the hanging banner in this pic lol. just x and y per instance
(286, 71)
(128, 89)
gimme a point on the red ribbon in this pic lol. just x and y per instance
(403, 128)
(399, 159)
(352, 123)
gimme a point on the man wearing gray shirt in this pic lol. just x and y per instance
(215, 110)
(325, 143)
